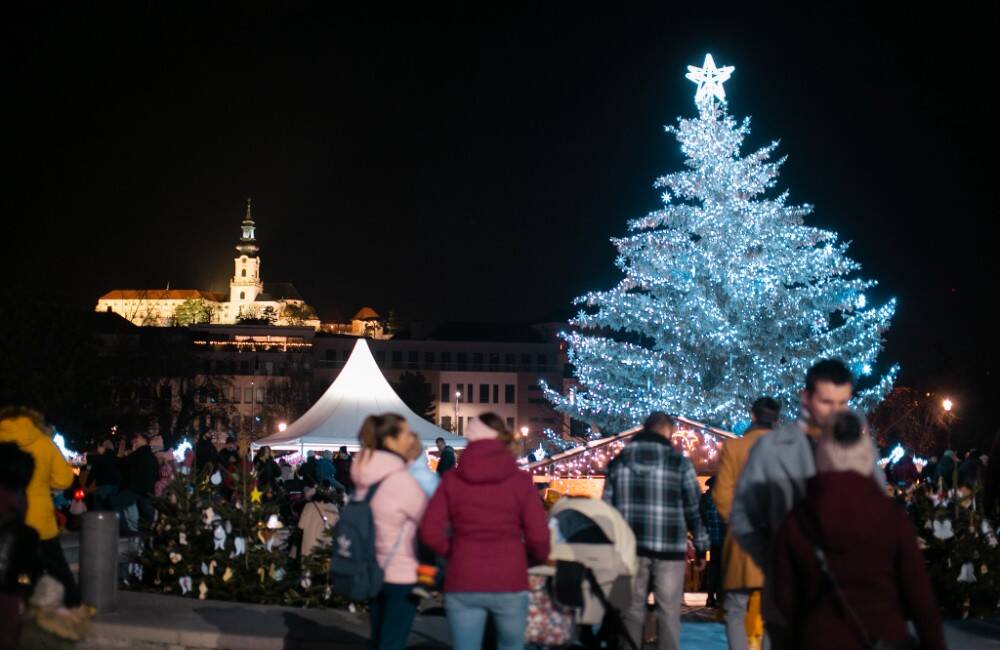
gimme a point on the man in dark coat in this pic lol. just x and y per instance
(447, 459)
(205, 453)
(343, 465)
(104, 475)
(142, 471)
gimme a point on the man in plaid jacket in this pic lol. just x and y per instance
(655, 489)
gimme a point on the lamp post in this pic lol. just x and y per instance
(947, 405)
(524, 441)
(458, 396)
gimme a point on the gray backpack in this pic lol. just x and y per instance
(354, 570)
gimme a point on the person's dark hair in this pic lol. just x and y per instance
(657, 420)
(495, 422)
(847, 427)
(439, 440)
(343, 449)
(766, 411)
(377, 428)
(831, 370)
(16, 466)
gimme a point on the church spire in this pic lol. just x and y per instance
(248, 243)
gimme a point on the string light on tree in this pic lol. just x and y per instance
(727, 295)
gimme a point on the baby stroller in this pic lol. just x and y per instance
(595, 561)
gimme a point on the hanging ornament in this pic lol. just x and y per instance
(202, 590)
(983, 570)
(185, 583)
(327, 592)
(239, 547)
(229, 527)
(135, 569)
(182, 538)
(216, 478)
(208, 516)
(255, 495)
(204, 568)
(261, 573)
(943, 530)
(273, 522)
(306, 581)
(967, 573)
(219, 534)
(227, 575)
(175, 558)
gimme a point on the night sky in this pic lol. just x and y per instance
(459, 166)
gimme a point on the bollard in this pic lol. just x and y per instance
(99, 560)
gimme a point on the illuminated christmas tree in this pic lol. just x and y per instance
(727, 294)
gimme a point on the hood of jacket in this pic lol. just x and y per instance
(21, 431)
(846, 505)
(486, 461)
(646, 452)
(371, 467)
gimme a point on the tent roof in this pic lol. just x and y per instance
(358, 391)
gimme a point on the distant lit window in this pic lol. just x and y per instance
(244, 273)
(243, 295)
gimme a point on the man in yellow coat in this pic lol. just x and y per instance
(27, 429)
(740, 575)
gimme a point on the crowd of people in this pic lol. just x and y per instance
(796, 517)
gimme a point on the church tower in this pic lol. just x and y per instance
(246, 284)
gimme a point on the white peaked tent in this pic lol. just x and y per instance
(358, 391)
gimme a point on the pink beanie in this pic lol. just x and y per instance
(479, 430)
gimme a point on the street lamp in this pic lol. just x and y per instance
(524, 441)
(458, 396)
(282, 426)
(947, 405)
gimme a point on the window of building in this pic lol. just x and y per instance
(247, 423)
(244, 274)
(237, 394)
(411, 360)
(445, 393)
(494, 360)
(445, 360)
(428, 360)
(260, 395)
(109, 310)
(461, 428)
(243, 295)
(484, 393)
(542, 361)
(380, 357)
(525, 362)
(248, 395)
(510, 424)
(508, 394)
(397, 359)
(446, 422)
(508, 360)
(477, 360)
(468, 391)
(331, 355)
(463, 360)
(496, 393)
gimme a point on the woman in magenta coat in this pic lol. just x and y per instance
(487, 520)
(870, 547)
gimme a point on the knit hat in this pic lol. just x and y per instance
(845, 446)
(479, 430)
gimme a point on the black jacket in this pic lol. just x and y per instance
(205, 453)
(104, 469)
(448, 460)
(141, 470)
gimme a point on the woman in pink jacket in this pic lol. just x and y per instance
(397, 508)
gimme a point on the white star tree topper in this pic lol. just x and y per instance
(709, 79)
